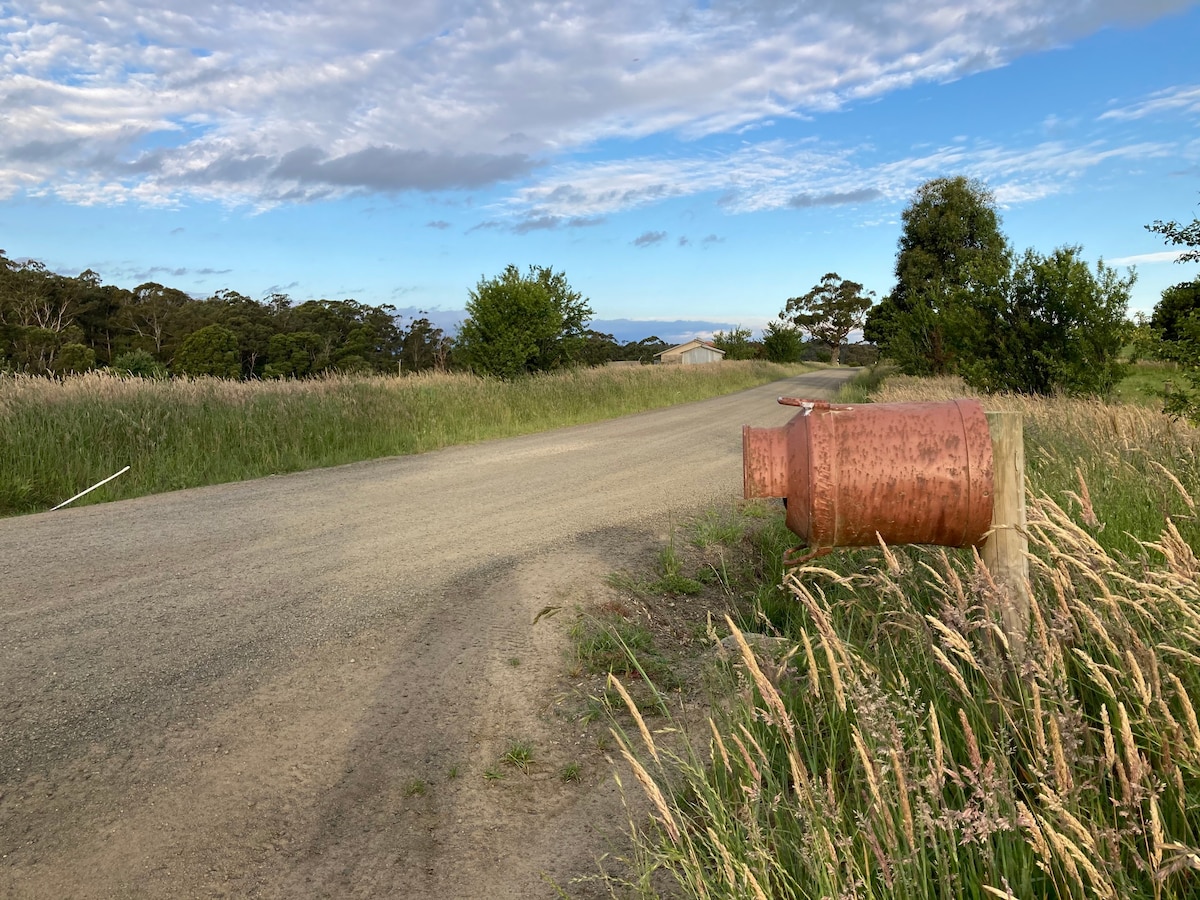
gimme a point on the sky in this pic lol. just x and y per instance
(689, 164)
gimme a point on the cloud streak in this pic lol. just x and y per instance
(1163, 256)
(1183, 99)
(649, 238)
(807, 201)
(778, 175)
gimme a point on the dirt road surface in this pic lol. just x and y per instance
(297, 686)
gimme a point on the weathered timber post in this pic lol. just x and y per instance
(1004, 550)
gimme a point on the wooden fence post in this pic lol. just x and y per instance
(1004, 550)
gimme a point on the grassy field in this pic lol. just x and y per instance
(897, 748)
(58, 437)
(1145, 383)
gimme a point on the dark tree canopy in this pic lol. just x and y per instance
(1061, 328)
(211, 350)
(959, 306)
(55, 324)
(1178, 304)
(951, 256)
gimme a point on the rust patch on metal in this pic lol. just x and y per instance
(909, 473)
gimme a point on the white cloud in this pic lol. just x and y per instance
(1163, 256)
(126, 101)
(1181, 99)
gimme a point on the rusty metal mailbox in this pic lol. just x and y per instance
(909, 473)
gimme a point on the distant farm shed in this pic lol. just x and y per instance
(693, 352)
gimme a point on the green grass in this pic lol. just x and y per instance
(716, 527)
(571, 772)
(416, 788)
(905, 752)
(58, 437)
(518, 755)
(863, 385)
(602, 644)
(1146, 383)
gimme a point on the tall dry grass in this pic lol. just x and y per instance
(899, 750)
(58, 436)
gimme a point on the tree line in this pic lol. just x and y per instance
(534, 321)
(1173, 331)
(52, 324)
(965, 303)
(517, 323)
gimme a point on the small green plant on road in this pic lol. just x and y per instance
(518, 755)
(415, 788)
(571, 772)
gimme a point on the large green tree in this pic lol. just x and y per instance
(782, 343)
(1177, 305)
(830, 311)
(518, 323)
(952, 259)
(154, 317)
(1061, 327)
(1049, 324)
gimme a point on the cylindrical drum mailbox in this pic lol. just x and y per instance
(911, 473)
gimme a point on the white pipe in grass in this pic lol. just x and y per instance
(92, 488)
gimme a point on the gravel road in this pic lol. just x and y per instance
(293, 687)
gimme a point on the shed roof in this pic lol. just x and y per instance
(694, 342)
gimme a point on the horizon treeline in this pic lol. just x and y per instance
(52, 324)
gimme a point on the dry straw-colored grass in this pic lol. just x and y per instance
(58, 436)
(906, 754)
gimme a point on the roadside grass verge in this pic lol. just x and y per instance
(896, 749)
(60, 436)
(866, 383)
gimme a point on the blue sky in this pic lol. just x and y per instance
(694, 163)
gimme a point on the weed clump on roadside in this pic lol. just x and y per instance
(603, 643)
(518, 755)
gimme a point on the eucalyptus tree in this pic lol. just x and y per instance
(830, 311)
